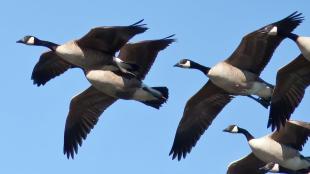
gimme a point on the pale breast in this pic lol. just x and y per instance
(268, 150)
(112, 84)
(230, 78)
(82, 57)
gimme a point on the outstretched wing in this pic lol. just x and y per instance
(110, 39)
(198, 115)
(49, 66)
(143, 54)
(294, 134)
(292, 81)
(85, 109)
(256, 48)
(250, 164)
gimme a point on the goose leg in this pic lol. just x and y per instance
(261, 101)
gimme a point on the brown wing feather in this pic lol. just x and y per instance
(144, 53)
(49, 66)
(247, 165)
(294, 134)
(257, 48)
(292, 81)
(85, 109)
(110, 39)
(198, 115)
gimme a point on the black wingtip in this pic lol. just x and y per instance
(170, 38)
(136, 24)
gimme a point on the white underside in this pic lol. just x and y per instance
(269, 150)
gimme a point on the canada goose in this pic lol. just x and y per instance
(291, 83)
(237, 75)
(97, 47)
(281, 147)
(273, 167)
(107, 87)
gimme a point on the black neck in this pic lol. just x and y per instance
(202, 68)
(293, 36)
(47, 44)
(246, 134)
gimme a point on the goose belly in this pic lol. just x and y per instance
(85, 58)
(113, 84)
(228, 77)
(269, 150)
(304, 46)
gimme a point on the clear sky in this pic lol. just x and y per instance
(131, 137)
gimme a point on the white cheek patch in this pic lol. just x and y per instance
(30, 41)
(235, 129)
(187, 64)
(273, 31)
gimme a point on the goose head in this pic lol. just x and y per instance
(28, 40)
(189, 64)
(235, 129)
(232, 129)
(184, 63)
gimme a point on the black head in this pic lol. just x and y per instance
(28, 40)
(184, 63)
(232, 129)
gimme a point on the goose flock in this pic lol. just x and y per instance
(114, 77)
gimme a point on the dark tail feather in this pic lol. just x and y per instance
(163, 90)
(157, 103)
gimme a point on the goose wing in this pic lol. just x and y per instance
(143, 54)
(50, 65)
(199, 112)
(256, 48)
(110, 39)
(84, 112)
(250, 164)
(294, 134)
(292, 80)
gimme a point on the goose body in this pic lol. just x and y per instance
(238, 82)
(281, 147)
(107, 86)
(237, 75)
(95, 49)
(118, 86)
(82, 57)
(269, 150)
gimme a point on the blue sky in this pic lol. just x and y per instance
(131, 137)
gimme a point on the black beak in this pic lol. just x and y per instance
(226, 130)
(176, 65)
(19, 41)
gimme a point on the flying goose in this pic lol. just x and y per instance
(273, 167)
(97, 47)
(291, 83)
(281, 147)
(237, 75)
(108, 86)
(292, 80)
